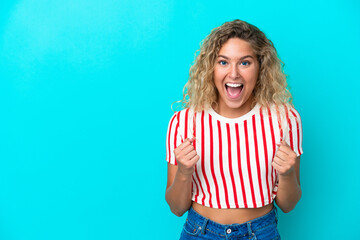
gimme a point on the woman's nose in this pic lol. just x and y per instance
(234, 72)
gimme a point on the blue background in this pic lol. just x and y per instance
(85, 93)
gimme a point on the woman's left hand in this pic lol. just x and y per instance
(285, 159)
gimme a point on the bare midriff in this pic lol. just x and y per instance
(231, 215)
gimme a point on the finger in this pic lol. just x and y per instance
(277, 166)
(194, 160)
(183, 145)
(285, 149)
(282, 156)
(191, 155)
(187, 150)
(278, 161)
(288, 151)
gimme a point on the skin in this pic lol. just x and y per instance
(236, 63)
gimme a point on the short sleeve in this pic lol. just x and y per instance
(173, 138)
(295, 134)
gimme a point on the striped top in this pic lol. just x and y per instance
(234, 170)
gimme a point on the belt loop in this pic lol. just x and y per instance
(249, 228)
(203, 228)
(276, 214)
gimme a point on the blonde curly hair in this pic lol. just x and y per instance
(200, 92)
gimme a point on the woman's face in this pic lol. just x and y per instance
(235, 74)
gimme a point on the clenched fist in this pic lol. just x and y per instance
(285, 159)
(186, 157)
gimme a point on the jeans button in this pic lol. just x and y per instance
(228, 231)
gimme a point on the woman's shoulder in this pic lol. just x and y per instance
(285, 107)
(282, 110)
(181, 111)
(182, 114)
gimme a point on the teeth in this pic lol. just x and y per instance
(233, 84)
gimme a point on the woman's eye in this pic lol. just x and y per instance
(245, 63)
(222, 62)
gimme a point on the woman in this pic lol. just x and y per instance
(236, 146)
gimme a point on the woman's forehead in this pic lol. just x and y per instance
(236, 48)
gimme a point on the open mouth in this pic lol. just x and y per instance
(234, 89)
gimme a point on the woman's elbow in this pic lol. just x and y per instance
(175, 210)
(286, 208)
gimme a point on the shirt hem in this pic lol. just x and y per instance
(233, 205)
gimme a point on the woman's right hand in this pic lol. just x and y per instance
(186, 157)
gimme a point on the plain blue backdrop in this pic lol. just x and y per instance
(85, 93)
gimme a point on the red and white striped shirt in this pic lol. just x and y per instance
(234, 170)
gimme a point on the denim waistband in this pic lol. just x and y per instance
(243, 228)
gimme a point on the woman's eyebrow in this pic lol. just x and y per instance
(239, 58)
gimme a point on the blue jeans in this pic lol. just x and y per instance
(199, 227)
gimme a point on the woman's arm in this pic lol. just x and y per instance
(289, 190)
(178, 190)
(288, 165)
